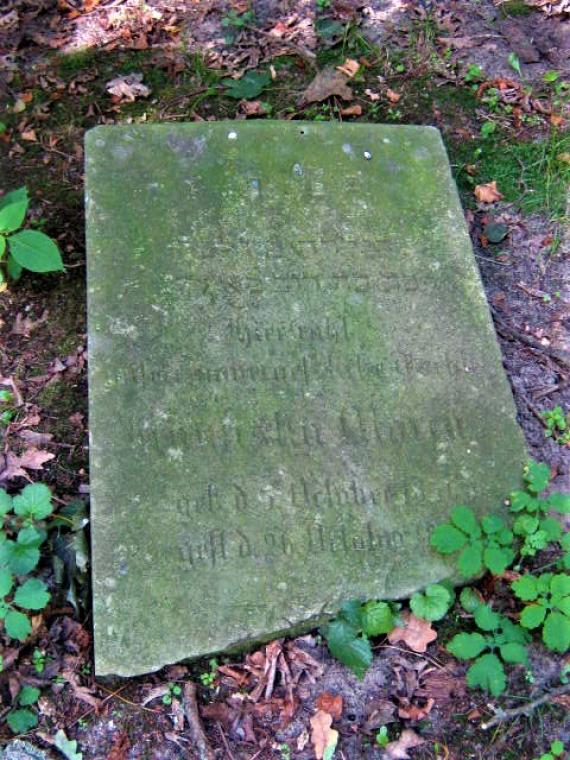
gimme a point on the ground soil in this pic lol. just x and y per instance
(50, 99)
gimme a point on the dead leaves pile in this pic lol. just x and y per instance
(512, 93)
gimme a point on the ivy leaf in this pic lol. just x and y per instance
(34, 501)
(556, 632)
(526, 588)
(68, 747)
(486, 619)
(514, 653)
(251, 84)
(5, 502)
(497, 559)
(377, 618)
(536, 476)
(32, 595)
(466, 646)
(17, 625)
(488, 674)
(447, 539)
(471, 560)
(28, 695)
(345, 644)
(35, 251)
(21, 721)
(6, 582)
(433, 604)
(532, 616)
(13, 207)
(464, 519)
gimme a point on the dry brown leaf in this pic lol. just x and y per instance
(34, 437)
(323, 737)
(398, 750)
(416, 633)
(414, 712)
(556, 120)
(393, 97)
(330, 703)
(247, 108)
(24, 325)
(354, 110)
(29, 135)
(349, 67)
(128, 87)
(12, 466)
(487, 193)
(328, 82)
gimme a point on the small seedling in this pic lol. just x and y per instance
(556, 750)
(433, 604)
(382, 739)
(557, 426)
(7, 411)
(21, 719)
(209, 678)
(27, 249)
(488, 128)
(173, 691)
(39, 661)
(514, 63)
(474, 73)
(548, 598)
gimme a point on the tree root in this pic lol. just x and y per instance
(201, 743)
(501, 715)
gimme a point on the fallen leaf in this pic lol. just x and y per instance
(393, 97)
(24, 325)
(354, 110)
(349, 67)
(414, 712)
(330, 703)
(12, 466)
(398, 750)
(128, 87)
(34, 437)
(327, 82)
(323, 737)
(556, 120)
(487, 193)
(416, 633)
(29, 135)
(247, 108)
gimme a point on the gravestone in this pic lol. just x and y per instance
(293, 378)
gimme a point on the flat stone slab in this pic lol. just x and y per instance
(293, 378)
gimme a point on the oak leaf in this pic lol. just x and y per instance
(393, 97)
(328, 82)
(349, 67)
(415, 632)
(354, 110)
(398, 750)
(487, 193)
(323, 737)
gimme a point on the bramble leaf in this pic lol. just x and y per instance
(537, 476)
(32, 595)
(471, 560)
(34, 501)
(514, 653)
(432, 604)
(492, 524)
(347, 646)
(21, 721)
(486, 619)
(351, 611)
(20, 558)
(556, 632)
(488, 674)
(497, 558)
(521, 500)
(552, 528)
(464, 519)
(377, 618)
(17, 625)
(28, 695)
(466, 646)
(250, 85)
(532, 616)
(559, 502)
(447, 539)
(526, 588)
(560, 586)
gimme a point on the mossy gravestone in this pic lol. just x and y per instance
(293, 378)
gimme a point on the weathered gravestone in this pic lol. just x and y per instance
(293, 378)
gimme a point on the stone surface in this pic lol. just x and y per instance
(293, 377)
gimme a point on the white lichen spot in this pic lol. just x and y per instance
(347, 148)
(122, 152)
(100, 143)
(122, 327)
(435, 265)
(367, 155)
(110, 583)
(282, 586)
(232, 136)
(385, 140)
(175, 455)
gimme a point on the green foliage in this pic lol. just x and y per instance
(209, 677)
(68, 747)
(514, 63)
(485, 544)
(474, 73)
(234, 22)
(20, 542)
(557, 426)
(27, 249)
(348, 635)
(501, 642)
(20, 718)
(433, 604)
(382, 738)
(173, 691)
(548, 597)
(251, 84)
(556, 750)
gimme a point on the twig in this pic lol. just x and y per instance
(424, 656)
(501, 715)
(306, 55)
(503, 327)
(190, 704)
(225, 741)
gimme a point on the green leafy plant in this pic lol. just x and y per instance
(39, 661)
(234, 22)
(20, 540)
(348, 635)
(27, 249)
(556, 750)
(209, 677)
(557, 426)
(173, 690)
(21, 718)
(474, 73)
(515, 63)
(6, 405)
(488, 128)
(382, 738)
(250, 85)
(502, 641)
(482, 544)
(548, 597)
(433, 603)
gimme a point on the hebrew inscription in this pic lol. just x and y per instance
(293, 378)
